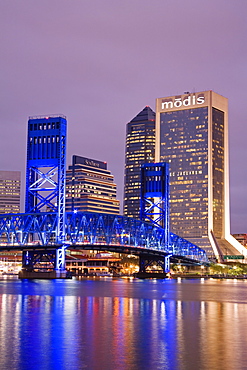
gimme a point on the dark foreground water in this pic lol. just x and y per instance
(125, 324)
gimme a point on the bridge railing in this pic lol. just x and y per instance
(90, 229)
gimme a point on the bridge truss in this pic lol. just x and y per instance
(36, 231)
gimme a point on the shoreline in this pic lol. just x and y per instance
(207, 276)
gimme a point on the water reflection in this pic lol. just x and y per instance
(123, 325)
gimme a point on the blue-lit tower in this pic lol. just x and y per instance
(46, 172)
(154, 205)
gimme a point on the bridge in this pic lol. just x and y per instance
(45, 230)
(35, 234)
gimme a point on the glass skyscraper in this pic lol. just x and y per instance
(140, 149)
(192, 136)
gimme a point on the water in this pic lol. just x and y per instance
(123, 324)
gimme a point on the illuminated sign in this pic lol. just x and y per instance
(183, 102)
(91, 163)
(237, 257)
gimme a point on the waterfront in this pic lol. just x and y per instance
(108, 323)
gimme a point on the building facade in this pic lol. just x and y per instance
(241, 238)
(90, 187)
(192, 136)
(101, 264)
(140, 149)
(10, 191)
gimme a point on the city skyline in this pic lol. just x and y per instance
(99, 66)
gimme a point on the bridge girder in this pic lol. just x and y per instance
(93, 231)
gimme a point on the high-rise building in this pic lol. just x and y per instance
(140, 149)
(192, 136)
(10, 191)
(90, 187)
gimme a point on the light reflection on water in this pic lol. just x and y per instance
(123, 324)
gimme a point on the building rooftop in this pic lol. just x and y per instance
(147, 114)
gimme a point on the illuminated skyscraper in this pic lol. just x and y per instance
(192, 136)
(90, 187)
(10, 191)
(140, 149)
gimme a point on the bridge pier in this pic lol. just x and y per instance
(43, 264)
(146, 261)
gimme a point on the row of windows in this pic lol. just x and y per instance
(12, 181)
(44, 139)
(44, 126)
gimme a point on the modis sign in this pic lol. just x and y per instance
(183, 102)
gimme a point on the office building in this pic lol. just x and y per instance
(140, 149)
(90, 187)
(192, 136)
(10, 191)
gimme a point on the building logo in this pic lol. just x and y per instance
(185, 102)
(91, 163)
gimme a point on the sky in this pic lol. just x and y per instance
(101, 62)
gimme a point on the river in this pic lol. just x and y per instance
(123, 324)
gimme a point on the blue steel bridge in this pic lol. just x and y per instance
(38, 231)
(43, 237)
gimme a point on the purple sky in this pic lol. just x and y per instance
(101, 62)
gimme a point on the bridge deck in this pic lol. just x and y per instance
(94, 231)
